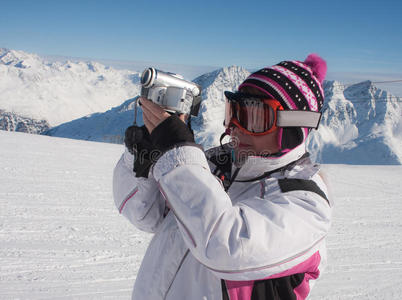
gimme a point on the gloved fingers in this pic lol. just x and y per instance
(149, 124)
(129, 138)
(173, 131)
(141, 167)
(137, 138)
(129, 133)
(134, 134)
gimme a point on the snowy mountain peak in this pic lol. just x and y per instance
(227, 74)
(19, 59)
(361, 91)
(365, 90)
(360, 124)
(209, 123)
(61, 91)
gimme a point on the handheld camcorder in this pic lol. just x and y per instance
(171, 91)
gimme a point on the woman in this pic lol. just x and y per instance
(246, 220)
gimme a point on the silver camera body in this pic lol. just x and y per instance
(171, 91)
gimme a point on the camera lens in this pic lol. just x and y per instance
(147, 77)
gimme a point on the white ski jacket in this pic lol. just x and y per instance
(262, 239)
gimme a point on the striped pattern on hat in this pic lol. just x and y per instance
(297, 86)
(291, 83)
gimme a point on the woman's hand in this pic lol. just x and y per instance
(153, 114)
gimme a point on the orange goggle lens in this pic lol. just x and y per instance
(254, 116)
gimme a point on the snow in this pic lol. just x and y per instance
(359, 126)
(61, 236)
(208, 125)
(59, 92)
(365, 242)
(101, 127)
(188, 71)
(361, 123)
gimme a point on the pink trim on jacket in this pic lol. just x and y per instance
(128, 198)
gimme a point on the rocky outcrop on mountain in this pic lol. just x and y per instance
(13, 122)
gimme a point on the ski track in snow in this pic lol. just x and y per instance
(61, 236)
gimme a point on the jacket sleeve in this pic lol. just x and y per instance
(138, 199)
(238, 241)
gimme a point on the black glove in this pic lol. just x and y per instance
(138, 143)
(170, 133)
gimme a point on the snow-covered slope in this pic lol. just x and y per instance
(61, 236)
(60, 92)
(102, 127)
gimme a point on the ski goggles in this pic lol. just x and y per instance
(258, 115)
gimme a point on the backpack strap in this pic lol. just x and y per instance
(293, 184)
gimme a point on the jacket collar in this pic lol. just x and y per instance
(255, 166)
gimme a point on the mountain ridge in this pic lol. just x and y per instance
(59, 92)
(360, 124)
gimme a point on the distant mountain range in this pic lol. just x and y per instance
(361, 124)
(207, 126)
(59, 92)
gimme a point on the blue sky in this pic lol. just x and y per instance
(353, 36)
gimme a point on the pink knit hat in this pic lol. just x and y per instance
(297, 86)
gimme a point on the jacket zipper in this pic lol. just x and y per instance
(177, 271)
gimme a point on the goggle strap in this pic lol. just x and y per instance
(298, 118)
